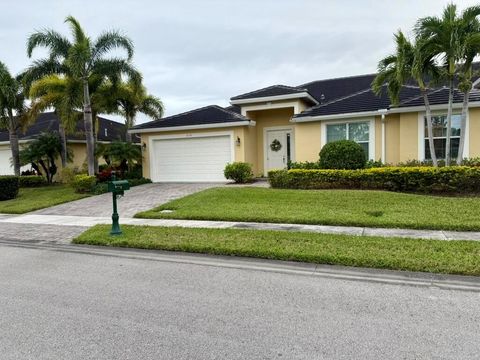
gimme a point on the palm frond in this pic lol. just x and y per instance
(50, 39)
(112, 40)
(77, 31)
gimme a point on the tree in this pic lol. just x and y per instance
(410, 62)
(127, 99)
(63, 95)
(41, 154)
(14, 114)
(454, 40)
(82, 60)
(120, 154)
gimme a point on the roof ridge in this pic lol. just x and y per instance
(341, 98)
(230, 112)
(268, 87)
(421, 95)
(337, 78)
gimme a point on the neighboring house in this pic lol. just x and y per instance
(270, 126)
(108, 131)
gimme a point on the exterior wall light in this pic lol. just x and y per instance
(238, 141)
(144, 146)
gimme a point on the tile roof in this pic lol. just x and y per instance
(212, 114)
(48, 122)
(362, 101)
(274, 90)
(440, 96)
(330, 89)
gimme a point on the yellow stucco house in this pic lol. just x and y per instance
(107, 131)
(270, 126)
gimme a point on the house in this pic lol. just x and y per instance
(273, 125)
(108, 131)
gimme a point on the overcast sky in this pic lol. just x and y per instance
(200, 52)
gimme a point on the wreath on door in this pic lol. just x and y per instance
(275, 145)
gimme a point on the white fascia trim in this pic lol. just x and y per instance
(19, 141)
(275, 98)
(336, 116)
(193, 127)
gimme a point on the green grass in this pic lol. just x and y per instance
(453, 257)
(326, 207)
(30, 199)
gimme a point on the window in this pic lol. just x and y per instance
(356, 131)
(439, 125)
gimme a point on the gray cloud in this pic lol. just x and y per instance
(195, 53)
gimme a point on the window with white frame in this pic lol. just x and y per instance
(356, 131)
(439, 127)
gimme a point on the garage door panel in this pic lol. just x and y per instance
(191, 159)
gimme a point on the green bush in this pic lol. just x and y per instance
(304, 165)
(239, 172)
(67, 175)
(100, 188)
(84, 183)
(343, 154)
(137, 182)
(8, 187)
(453, 179)
(31, 181)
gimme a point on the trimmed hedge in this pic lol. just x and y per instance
(455, 179)
(8, 187)
(84, 183)
(31, 181)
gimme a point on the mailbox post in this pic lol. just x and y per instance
(117, 188)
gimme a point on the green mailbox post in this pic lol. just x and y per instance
(117, 188)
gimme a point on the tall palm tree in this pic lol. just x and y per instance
(409, 62)
(127, 99)
(64, 96)
(453, 39)
(81, 60)
(14, 114)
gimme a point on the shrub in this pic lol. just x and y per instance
(304, 165)
(453, 179)
(100, 188)
(374, 164)
(343, 154)
(8, 187)
(137, 182)
(31, 181)
(84, 183)
(239, 172)
(67, 175)
(104, 175)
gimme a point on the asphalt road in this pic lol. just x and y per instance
(63, 305)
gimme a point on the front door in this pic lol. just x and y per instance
(278, 149)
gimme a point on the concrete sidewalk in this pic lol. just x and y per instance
(87, 221)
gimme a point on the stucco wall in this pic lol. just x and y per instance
(307, 141)
(392, 138)
(474, 132)
(408, 137)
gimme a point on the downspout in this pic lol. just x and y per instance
(384, 148)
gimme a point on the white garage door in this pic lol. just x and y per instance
(191, 159)
(5, 167)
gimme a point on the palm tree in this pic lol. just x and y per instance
(409, 62)
(14, 113)
(63, 95)
(453, 40)
(127, 99)
(82, 60)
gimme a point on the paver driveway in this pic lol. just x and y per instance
(138, 198)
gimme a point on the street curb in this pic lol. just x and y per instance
(392, 277)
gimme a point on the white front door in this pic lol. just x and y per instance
(278, 149)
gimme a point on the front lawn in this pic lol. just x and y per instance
(326, 207)
(453, 257)
(30, 199)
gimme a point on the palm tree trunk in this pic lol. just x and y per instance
(87, 118)
(463, 126)
(449, 122)
(429, 128)
(129, 121)
(12, 130)
(63, 138)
